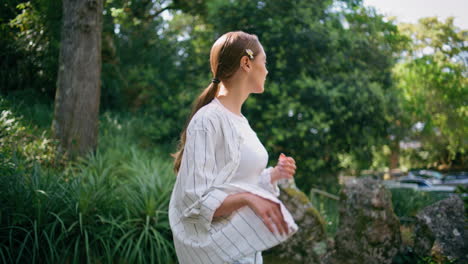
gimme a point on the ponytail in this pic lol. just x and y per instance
(203, 99)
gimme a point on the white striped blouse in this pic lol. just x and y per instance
(210, 159)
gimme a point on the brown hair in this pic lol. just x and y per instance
(225, 57)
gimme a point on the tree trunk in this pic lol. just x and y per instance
(395, 154)
(76, 111)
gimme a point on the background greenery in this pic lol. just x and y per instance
(110, 206)
(345, 87)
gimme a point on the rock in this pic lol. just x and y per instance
(440, 230)
(310, 242)
(369, 230)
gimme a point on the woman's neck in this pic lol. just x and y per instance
(232, 97)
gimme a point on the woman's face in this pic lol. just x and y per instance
(259, 72)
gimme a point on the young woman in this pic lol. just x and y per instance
(224, 206)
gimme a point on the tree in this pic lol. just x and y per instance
(145, 64)
(432, 82)
(30, 33)
(329, 64)
(76, 111)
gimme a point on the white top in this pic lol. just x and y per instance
(253, 158)
(211, 159)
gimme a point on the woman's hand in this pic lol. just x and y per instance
(285, 169)
(269, 211)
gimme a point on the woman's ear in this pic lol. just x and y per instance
(245, 64)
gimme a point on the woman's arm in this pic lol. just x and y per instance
(231, 204)
(269, 211)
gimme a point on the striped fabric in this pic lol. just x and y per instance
(211, 158)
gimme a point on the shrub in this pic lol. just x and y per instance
(407, 202)
(110, 207)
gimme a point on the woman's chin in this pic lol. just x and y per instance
(259, 90)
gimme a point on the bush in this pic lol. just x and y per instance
(110, 207)
(22, 143)
(103, 209)
(408, 202)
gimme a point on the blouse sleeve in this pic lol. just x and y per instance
(198, 167)
(265, 182)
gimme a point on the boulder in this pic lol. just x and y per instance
(440, 231)
(310, 242)
(369, 230)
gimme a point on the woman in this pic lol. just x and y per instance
(224, 206)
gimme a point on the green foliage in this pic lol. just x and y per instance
(146, 65)
(19, 142)
(33, 107)
(109, 207)
(101, 210)
(463, 192)
(325, 63)
(434, 260)
(331, 99)
(328, 209)
(433, 90)
(408, 202)
(329, 72)
(29, 53)
(409, 256)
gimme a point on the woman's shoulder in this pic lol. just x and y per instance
(208, 117)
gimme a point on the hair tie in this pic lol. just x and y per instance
(215, 80)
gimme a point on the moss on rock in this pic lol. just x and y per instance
(309, 243)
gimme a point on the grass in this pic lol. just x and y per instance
(407, 202)
(328, 208)
(110, 207)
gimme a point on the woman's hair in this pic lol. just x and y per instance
(225, 57)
